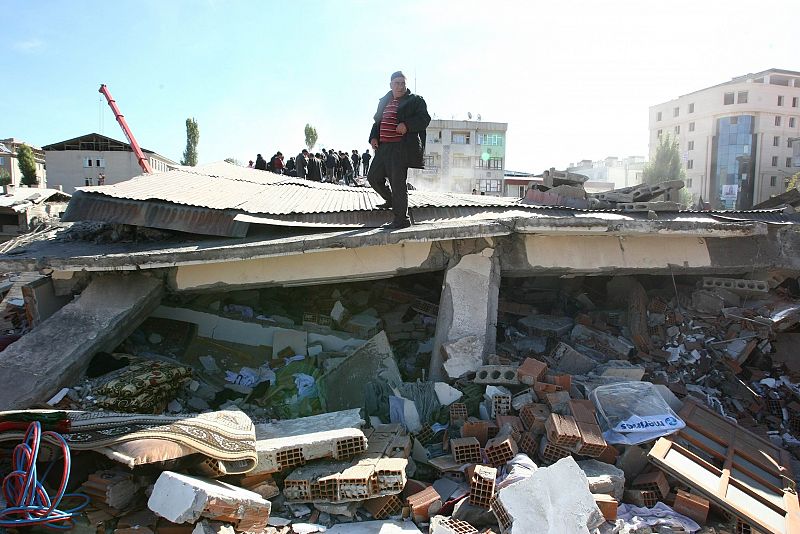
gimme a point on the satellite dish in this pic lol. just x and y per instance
(469, 114)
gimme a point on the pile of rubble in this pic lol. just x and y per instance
(564, 188)
(656, 404)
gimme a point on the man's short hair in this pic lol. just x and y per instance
(398, 74)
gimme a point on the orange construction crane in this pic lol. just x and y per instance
(143, 162)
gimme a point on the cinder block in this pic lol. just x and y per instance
(551, 453)
(184, 499)
(692, 506)
(531, 371)
(747, 287)
(533, 416)
(655, 481)
(562, 430)
(592, 443)
(583, 411)
(420, 503)
(500, 450)
(466, 450)
(383, 507)
(448, 525)
(608, 506)
(482, 486)
(458, 412)
(501, 404)
(497, 374)
(528, 443)
(477, 429)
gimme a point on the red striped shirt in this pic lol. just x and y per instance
(389, 123)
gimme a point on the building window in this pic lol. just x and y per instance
(690, 146)
(428, 160)
(777, 120)
(780, 100)
(2, 160)
(658, 116)
(489, 186)
(689, 183)
(789, 143)
(93, 162)
(690, 164)
(773, 181)
(741, 97)
(490, 139)
(788, 162)
(728, 99)
(459, 138)
(691, 126)
(678, 129)
(676, 111)
(776, 141)
(734, 120)
(691, 107)
(491, 163)
(461, 163)
(791, 122)
(794, 101)
(774, 161)
(658, 133)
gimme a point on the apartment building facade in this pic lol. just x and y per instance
(735, 138)
(461, 156)
(93, 159)
(9, 163)
(621, 172)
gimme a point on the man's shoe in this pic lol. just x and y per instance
(384, 206)
(396, 225)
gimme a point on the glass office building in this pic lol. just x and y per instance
(733, 164)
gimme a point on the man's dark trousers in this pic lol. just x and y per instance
(390, 162)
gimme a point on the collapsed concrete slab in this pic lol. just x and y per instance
(553, 500)
(285, 444)
(184, 499)
(468, 308)
(58, 351)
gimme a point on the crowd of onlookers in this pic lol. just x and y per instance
(325, 166)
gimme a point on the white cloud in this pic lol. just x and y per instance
(29, 45)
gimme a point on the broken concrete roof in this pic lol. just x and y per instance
(19, 199)
(224, 200)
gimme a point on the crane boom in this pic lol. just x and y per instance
(137, 150)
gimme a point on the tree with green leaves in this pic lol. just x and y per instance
(27, 165)
(233, 161)
(5, 180)
(192, 138)
(666, 165)
(311, 137)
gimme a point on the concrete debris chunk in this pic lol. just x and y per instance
(553, 500)
(288, 443)
(337, 482)
(184, 499)
(603, 478)
(463, 356)
(212, 527)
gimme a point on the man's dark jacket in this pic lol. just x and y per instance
(412, 111)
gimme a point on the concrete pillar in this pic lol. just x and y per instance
(57, 352)
(465, 329)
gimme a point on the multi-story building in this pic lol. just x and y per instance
(621, 172)
(461, 156)
(8, 162)
(93, 158)
(734, 137)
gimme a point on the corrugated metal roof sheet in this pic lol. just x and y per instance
(223, 199)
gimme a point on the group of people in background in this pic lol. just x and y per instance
(326, 166)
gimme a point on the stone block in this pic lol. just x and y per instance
(603, 478)
(184, 499)
(553, 500)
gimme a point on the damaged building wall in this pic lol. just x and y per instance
(307, 268)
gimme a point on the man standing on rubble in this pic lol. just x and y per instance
(398, 138)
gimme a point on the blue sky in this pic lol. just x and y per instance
(573, 80)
